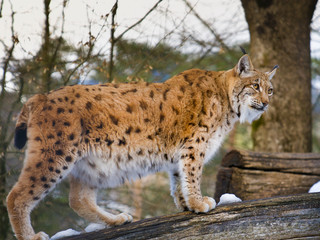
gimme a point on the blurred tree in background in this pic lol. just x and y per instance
(280, 34)
(107, 53)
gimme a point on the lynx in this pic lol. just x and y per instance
(103, 135)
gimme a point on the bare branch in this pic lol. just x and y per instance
(214, 33)
(90, 43)
(1, 7)
(8, 58)
(46, 81)
(142, 64)
(112, 39)
(54, 56)
(138, 22)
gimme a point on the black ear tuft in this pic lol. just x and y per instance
(20, 136)
(273, 72)
(242, 50)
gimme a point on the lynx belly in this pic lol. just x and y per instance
(103, 172)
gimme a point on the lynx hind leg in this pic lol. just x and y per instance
(20, 204)
(82, 200)
(39, 175)
(176, 191)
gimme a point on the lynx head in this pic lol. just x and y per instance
(251, 90)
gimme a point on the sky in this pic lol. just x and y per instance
(226, 17)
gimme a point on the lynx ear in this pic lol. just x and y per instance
(273, 72)
(244, 65)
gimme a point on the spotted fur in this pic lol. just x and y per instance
(103, 135)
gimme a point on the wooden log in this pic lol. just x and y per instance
(251, 175)
(289, 217)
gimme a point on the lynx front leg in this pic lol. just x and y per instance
(82, 200)
(191, 170)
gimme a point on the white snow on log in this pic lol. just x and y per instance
(228, 198)
(315, 188)
(94, 227)
(66, 233)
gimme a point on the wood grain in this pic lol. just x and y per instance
(290, 217)
(252, 175)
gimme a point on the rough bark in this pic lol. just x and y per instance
(280, 34)
(291, 217)
(251, 175)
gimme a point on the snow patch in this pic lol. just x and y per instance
(228, 198)
(315, 188)
(66, 233)
(94, 227)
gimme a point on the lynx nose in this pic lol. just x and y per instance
(265, 105)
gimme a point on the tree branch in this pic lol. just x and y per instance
(216, 35)
(291, 217)
(138, 22)
(91, 44)
(112, 39)
(8, 58)
(46, 73)
(60, 40)
(1, 7)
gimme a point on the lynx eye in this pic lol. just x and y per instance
(256, 86)
(270, 91)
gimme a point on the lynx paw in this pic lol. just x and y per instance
(122, 218)
(202, 205)
(40, 236)
(210, 201)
